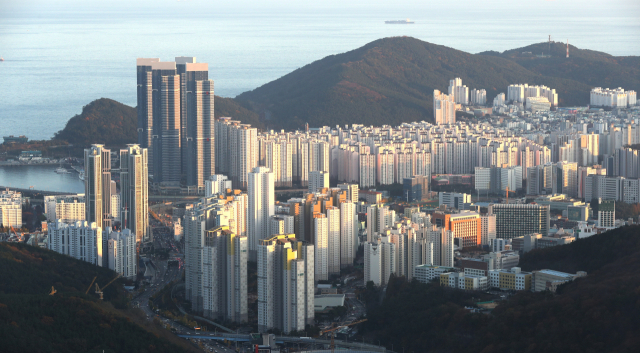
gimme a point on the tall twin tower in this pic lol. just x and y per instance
(176, 120)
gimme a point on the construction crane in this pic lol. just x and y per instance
(16, 233)
(87, 291)
(507, 195)
(333, 333)
(53, 291)
(98, 291)
(155, 216)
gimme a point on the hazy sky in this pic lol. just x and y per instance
(595, 6)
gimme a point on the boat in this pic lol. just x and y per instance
(81, 175)
(1, 58)
(399, 22)
(62, 170)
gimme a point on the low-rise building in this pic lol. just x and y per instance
(460, 280)
(513, 279)
(530, 242)
(371, 197)
(454, 200)
(427, 273)
(550, 279)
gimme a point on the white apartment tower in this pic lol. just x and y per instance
(243, 153)
(224, 275)
(348, 233)
(333, 240)
(67, 208)
(216, 184)
(78, 240)
(134, 191)
(321, 231)
(444, 108)
(215, 262)
(458, 91)
(318, 179)
(379, 261)
(261, 206)
(122, 253)
(10, 209)
(285, 284)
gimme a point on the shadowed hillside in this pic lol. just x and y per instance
(31, 320)
(597, 313)
(390, 81)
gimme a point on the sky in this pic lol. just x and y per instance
(595, 6)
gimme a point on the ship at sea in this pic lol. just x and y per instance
(399, 22)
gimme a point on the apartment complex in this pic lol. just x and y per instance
(285, 284)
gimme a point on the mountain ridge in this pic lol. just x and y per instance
(391, 80)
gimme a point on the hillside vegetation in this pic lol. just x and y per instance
(102, 121)
(587, 66)
(598, 313)
(69, 321)
(111, 123)
(391, 80)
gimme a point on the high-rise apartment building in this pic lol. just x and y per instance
(444, 108)
(170, 169)
(66, 208)
(78, 240)
(321, 232)
(10, 209)
(318, 179)
(261, 206)
(134, 191)
(285, 284)
(97, 184)
(122, 253)
(215, 258)
(607, 214)
(333, 240)
(458, 91)
(378, 218)
(348, 233)
(224, 275)
(488, 229)
(243, 154)
(514, 220)
(216, 184)
(176, 119)
(379, 261)
(466, 226)
(353, 191)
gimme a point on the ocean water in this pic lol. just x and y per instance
(40, 177)
(59, 59)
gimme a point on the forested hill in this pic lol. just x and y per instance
(102, 121)
(111, 123)
(597, 313)
(591, 67)
(31, 320)
(391, 80)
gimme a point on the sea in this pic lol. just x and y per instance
(60, 56)
(40, 177)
